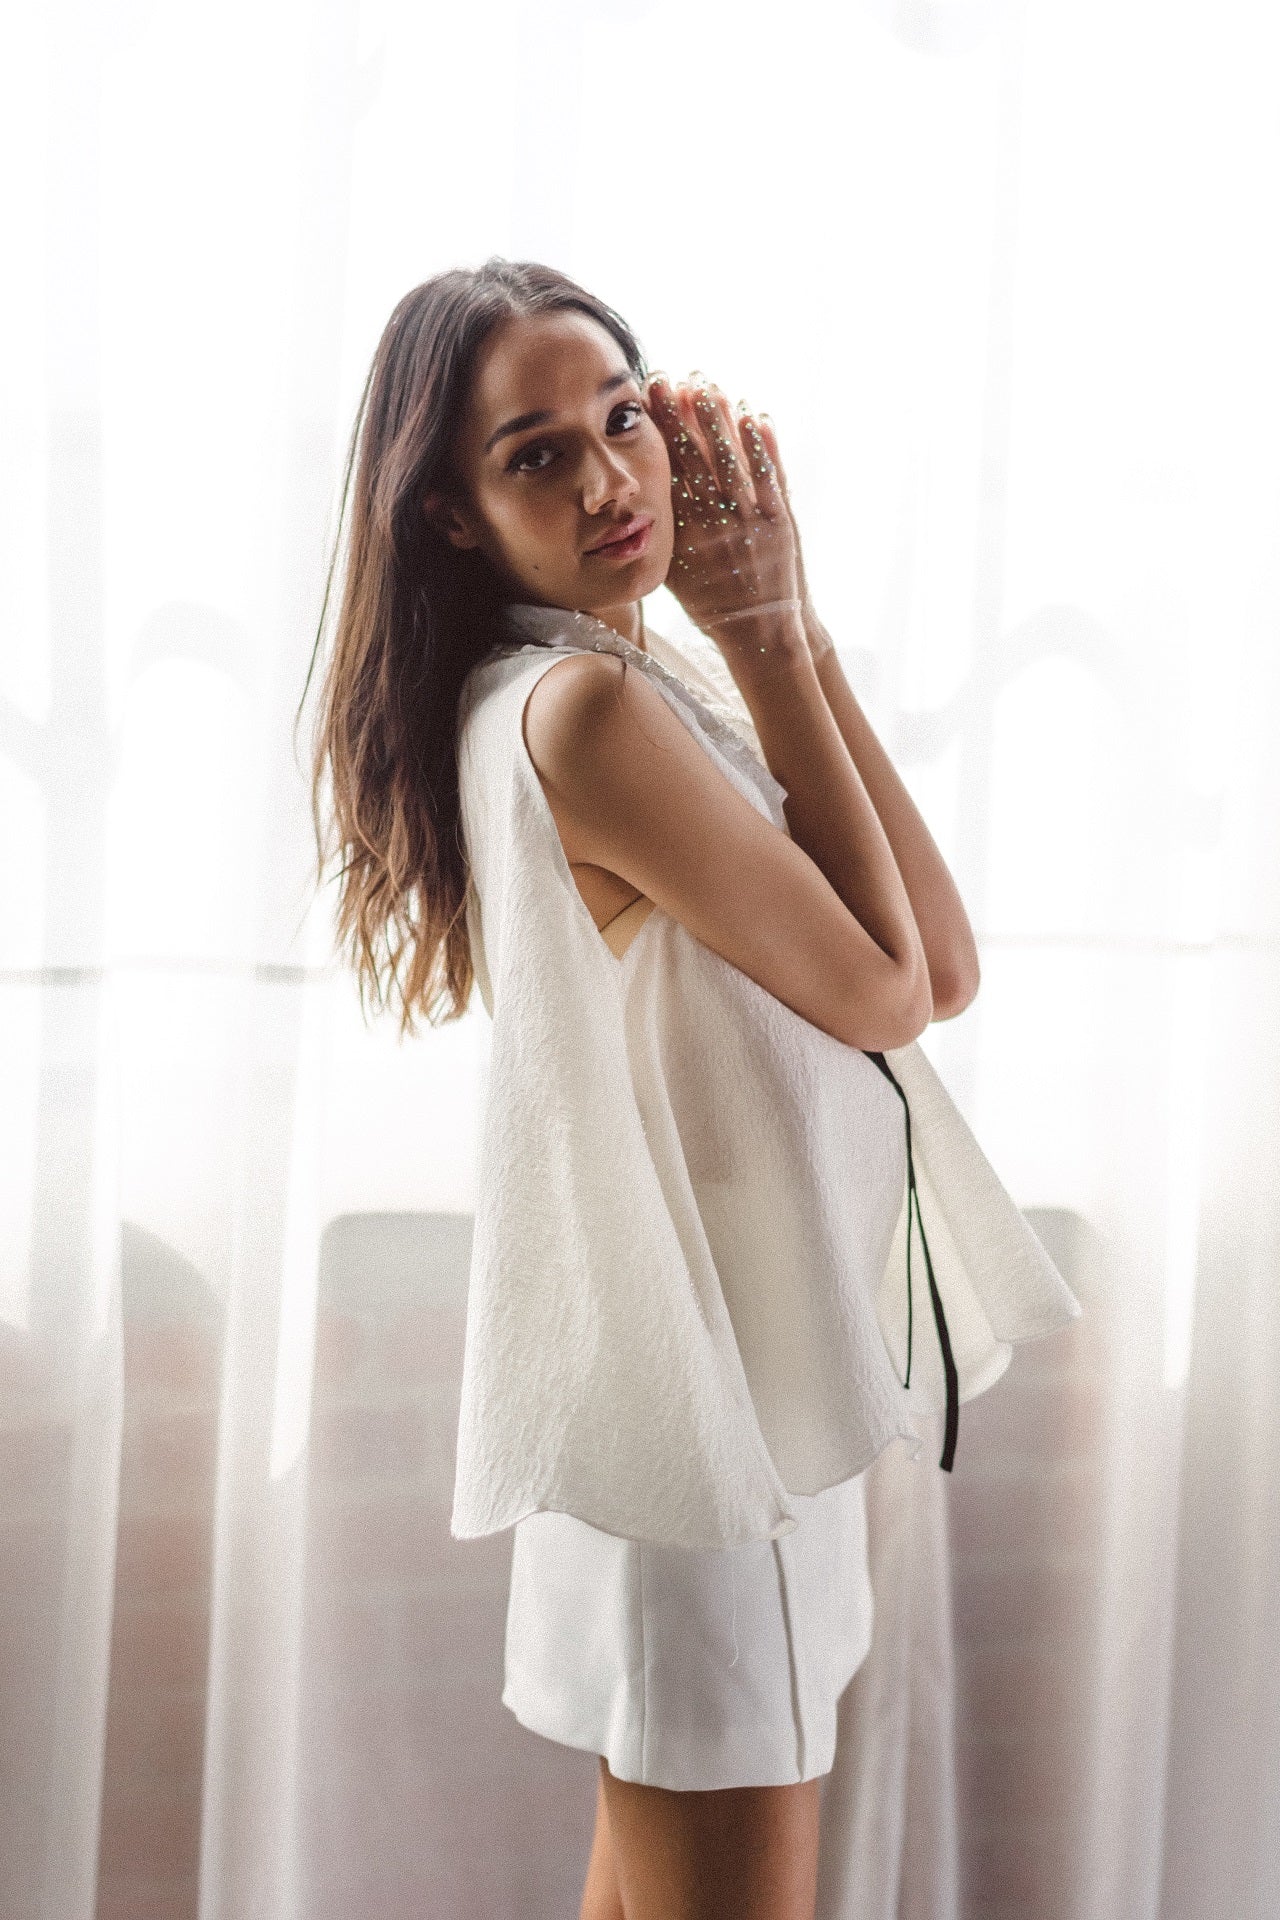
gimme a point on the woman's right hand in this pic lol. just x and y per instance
(735, 542)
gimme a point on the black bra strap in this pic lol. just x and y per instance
(940, 1318)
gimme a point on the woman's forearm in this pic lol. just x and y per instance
(829, 810)
(940, 916)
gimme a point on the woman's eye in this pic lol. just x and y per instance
(527, 461)
(539, 454)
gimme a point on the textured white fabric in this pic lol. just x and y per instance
(680, 1312)
(692, 1670)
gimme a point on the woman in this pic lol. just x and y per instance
(674, 1375)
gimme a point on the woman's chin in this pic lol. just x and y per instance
(643, 577)
(654, 574)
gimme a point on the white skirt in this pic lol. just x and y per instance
(691, 1669)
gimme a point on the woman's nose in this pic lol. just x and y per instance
(605, 477)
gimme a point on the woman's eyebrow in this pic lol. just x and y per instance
(523, 420)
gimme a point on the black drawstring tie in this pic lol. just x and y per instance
(944, 1337)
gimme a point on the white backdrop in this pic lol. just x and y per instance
(1005, 274)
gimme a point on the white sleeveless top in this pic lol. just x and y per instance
(688, 1292)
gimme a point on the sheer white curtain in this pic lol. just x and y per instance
(1005, 275)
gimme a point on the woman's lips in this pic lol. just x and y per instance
(629, 542)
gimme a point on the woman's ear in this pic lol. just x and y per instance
(449, 520)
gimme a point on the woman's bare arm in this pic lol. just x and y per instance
(641, 797)
(938, 910)
(830, 812)
(945, 930)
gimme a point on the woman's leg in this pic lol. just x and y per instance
(600, 1897)
(731, 1853)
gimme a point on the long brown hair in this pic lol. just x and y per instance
(414, 616)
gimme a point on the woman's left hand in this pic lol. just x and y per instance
(736, 541)
(735, 545)
(819, 639)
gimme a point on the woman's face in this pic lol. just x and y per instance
(558, 456)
